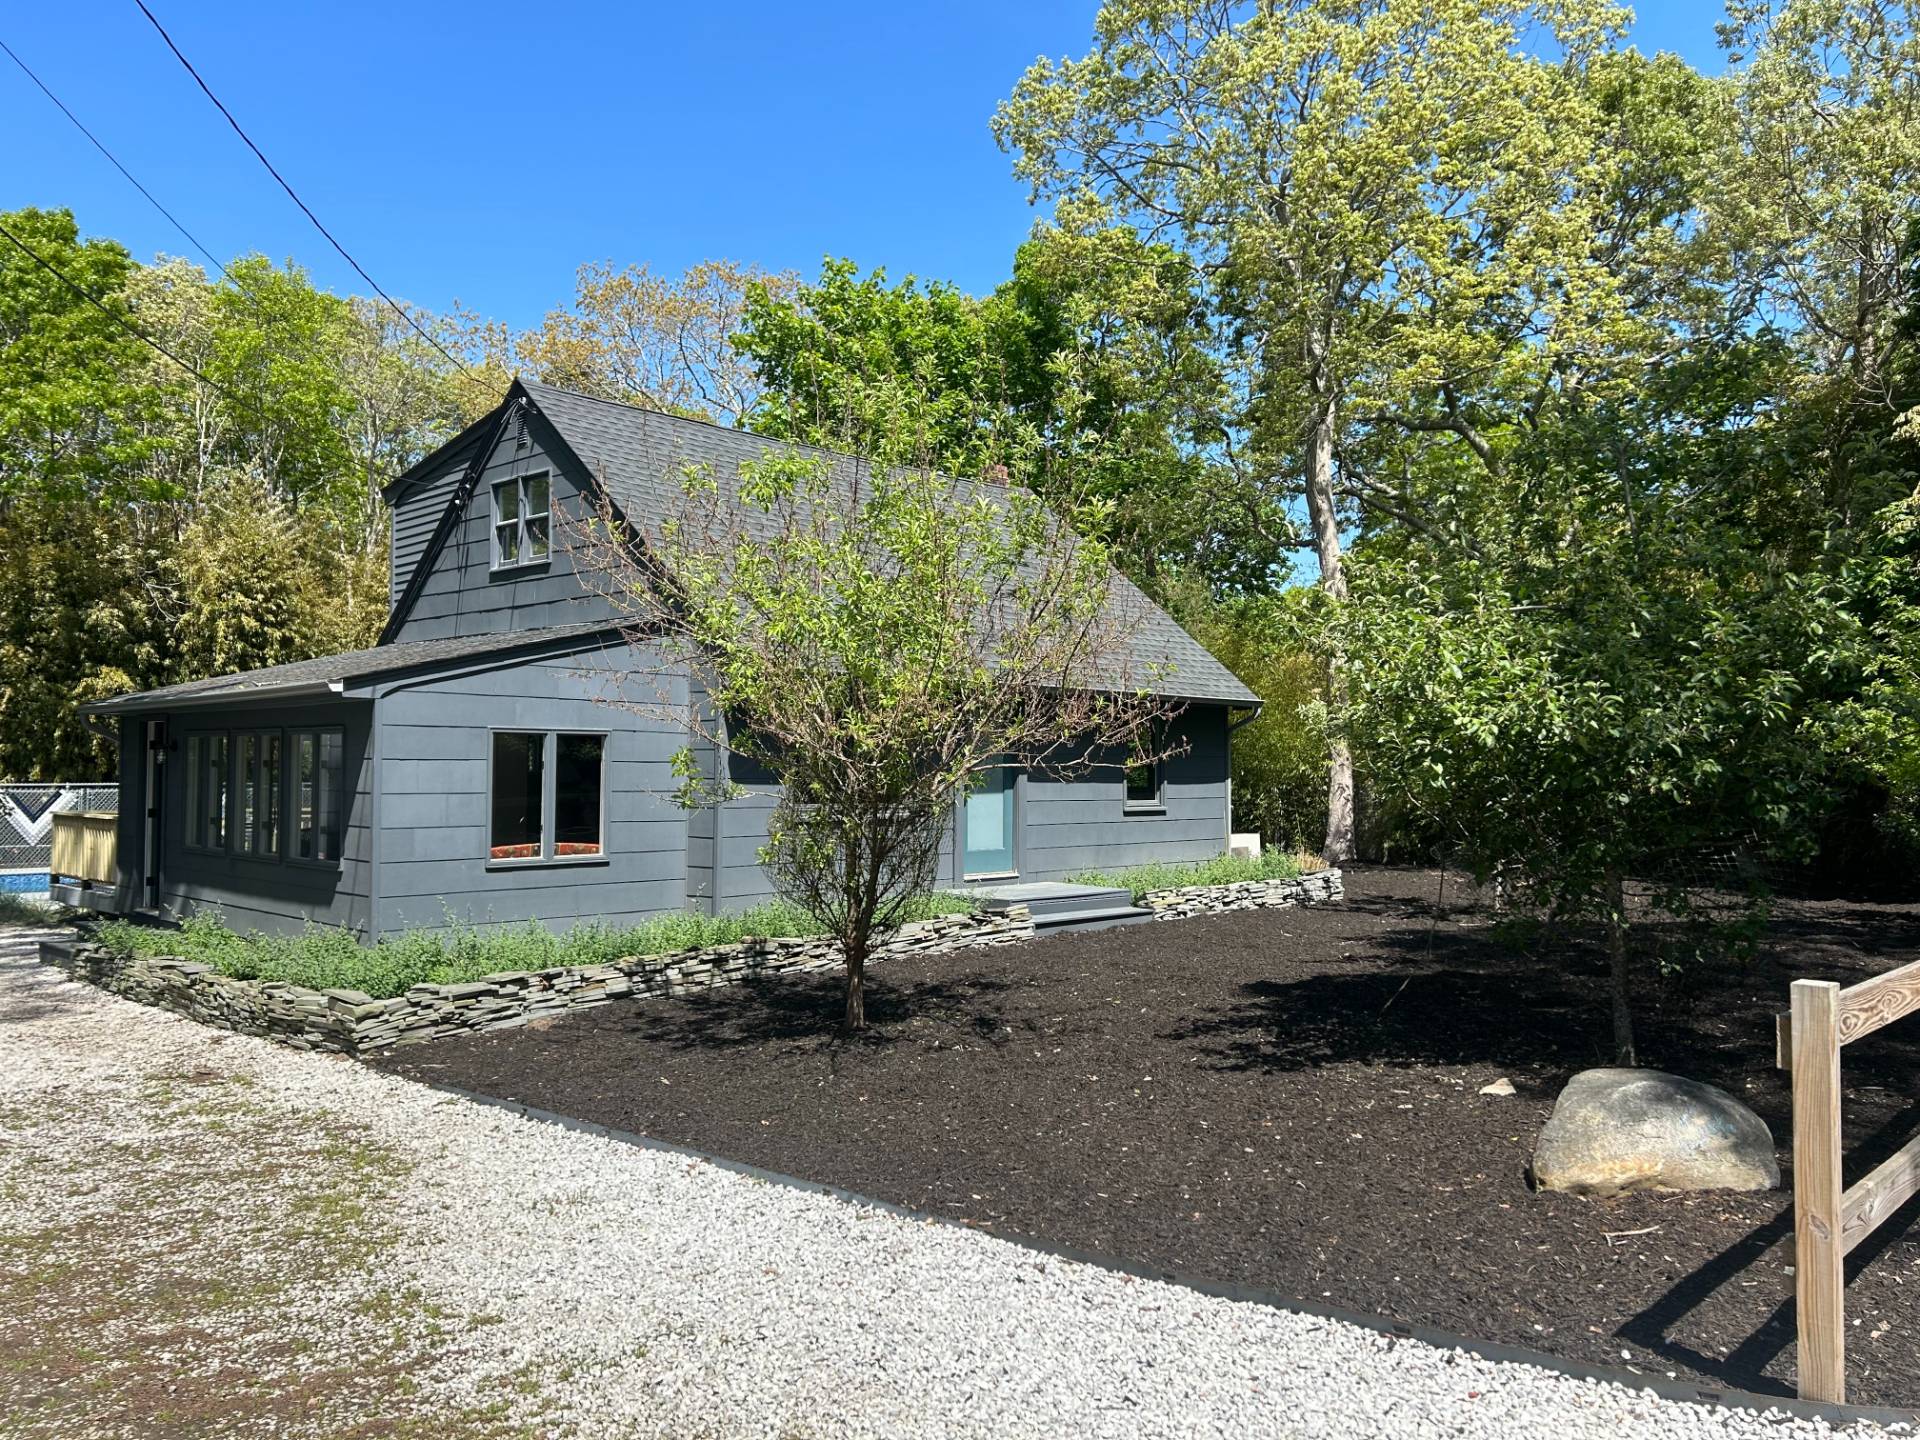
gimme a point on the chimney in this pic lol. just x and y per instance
(995, 474)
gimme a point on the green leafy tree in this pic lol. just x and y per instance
(72, 406)
(78, 622)
(1098, 352)
(243, 604)
(878, 636)
(1619, 676)
(1278, 760)
(1402, 208)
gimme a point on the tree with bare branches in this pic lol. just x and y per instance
(655, 340)
(878, 636)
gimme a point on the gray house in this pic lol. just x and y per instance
(470, 767)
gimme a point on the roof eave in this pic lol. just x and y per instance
(160, 700)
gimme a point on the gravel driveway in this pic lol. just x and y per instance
(203, 1234)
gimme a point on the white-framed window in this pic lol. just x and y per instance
(319, 794)
(546, 796)
(1145, 787)
(522, 522)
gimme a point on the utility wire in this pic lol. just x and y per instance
(359, 269)
(112, 314)
(114, 160)
(306, 347)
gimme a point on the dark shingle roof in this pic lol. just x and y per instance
(639, 456)
(305, 676)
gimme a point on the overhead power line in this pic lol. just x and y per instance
(114, 160)
(293, 195)
(112, 314)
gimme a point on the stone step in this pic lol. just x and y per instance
(1104, 918)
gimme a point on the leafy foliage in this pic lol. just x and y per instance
(877, 636)
(1221, 870)
(156, 525)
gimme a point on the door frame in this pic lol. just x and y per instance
(154, 799)
(1017, 792)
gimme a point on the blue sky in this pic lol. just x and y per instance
(480, 152)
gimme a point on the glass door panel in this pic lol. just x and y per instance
(987, 825)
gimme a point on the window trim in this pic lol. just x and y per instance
(235, 745)
(192, 814)
(549, 799)
(526, 561)
(1157, 805)
(290, 821)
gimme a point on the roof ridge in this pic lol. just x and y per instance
(740, 432)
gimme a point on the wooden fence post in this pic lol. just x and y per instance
(1819, 1257)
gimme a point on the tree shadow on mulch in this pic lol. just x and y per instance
(1422, 999)
(804, 1014)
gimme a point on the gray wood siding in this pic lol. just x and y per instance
(435, 740)
(1082, 823)
(278, 896)
(416, 511)
(462, 594)
(1063, 825)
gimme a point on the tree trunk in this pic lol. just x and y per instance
(1325, 522)
(1616, 893)
(856, 1020)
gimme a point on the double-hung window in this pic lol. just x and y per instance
(546, 796)
(522, 524)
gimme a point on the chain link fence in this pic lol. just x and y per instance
(26, 827)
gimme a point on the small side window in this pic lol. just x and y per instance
(522, 521)
(1143, 787)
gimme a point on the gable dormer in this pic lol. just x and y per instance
(479, 533)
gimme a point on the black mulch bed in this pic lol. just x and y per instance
(1290, 1100)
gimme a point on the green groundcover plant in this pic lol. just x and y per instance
(327, 958)
(1221, 870)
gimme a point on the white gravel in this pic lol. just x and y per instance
(630, 1293)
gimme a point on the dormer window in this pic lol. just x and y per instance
(521, 522)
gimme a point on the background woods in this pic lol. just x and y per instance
(1531, 421)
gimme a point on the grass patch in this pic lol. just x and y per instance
(327, 958)
(18, 910)
(1221, 870)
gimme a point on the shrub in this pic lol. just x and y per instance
(1221, 870)
(18, 910)
(324, 957)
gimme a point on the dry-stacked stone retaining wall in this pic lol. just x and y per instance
(1320, 888)
(354, 1023)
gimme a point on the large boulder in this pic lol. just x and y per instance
(1612, 1131)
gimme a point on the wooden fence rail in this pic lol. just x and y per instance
(1829, 1219)
(85, 845)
